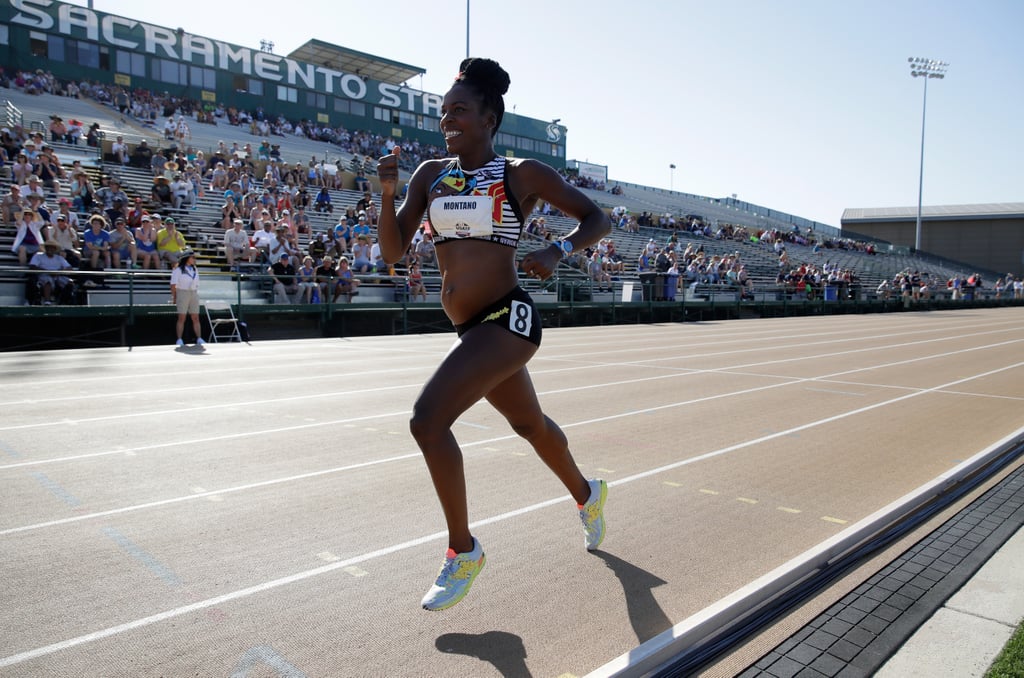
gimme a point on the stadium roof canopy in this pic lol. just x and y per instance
(1004, 210)
(359, 63)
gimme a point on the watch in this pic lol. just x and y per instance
(564, 246)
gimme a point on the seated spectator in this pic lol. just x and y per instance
(142, 156)
(169, 242)
(425, 253)
(236, 244)
(50, 261)
(306, 279)
(323, 201)
(318, 247)
(13, 204)
(30, 236)
(182, 191)
(415, 282)
(21, 169)
(83, 193)
(283, 275)
(282, 245)
(380, 266)
(96, 244)
(65, 233)
(342, 237)
(361, 228)
(324, 275)
(145, 243)
(597, 272)
(160, 194)
(122, 245)
(300, 222)
(361, 262)
(348, 284)
(263, 239)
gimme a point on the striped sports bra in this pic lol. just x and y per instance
(474, 204)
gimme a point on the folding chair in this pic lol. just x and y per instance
(221, 326)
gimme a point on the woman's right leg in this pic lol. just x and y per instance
(482, 358)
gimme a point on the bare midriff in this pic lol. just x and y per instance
(474, 273)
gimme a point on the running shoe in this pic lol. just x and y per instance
(200, 342)
(592, 514)
(456, 576)
(179, 343)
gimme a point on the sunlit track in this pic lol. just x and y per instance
(222, 512)
(649, 362)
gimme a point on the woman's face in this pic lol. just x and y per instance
(463, 123)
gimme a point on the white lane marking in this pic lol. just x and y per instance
(487, 442)
(186, 407)
(437, 536)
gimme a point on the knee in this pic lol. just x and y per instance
(428, 428)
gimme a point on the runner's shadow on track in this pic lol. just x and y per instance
(505, 651)
(645, 614)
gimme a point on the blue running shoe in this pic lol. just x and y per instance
(592, 514)
(456, 576)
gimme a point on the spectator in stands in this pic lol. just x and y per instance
(170, 244)
(323, 201)
(361, 228)
(1018, 287)
(142, 156)
(50, 261)
(263, 239)
(22, 169)
(229, 211)
(182, 191)
(361, 262)
(324, 276)
(380, 266)
(31, 232)
(283, 276)
(161, 194)
(306, 279)
(341, 237)
(415, 283)
(92, 136)
(119, 150)
(83, 193)
(347, 285)
(185, 294)
(96, 245)
(318, 247)
(281, 245)
(300, 222)
(236, 244)
(65, 233)
(48, 168)
(107, 196)
(145, 243)
(122, 245)
(12, 204)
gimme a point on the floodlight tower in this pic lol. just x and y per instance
(924, 68)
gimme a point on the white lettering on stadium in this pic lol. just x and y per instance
(84, 23)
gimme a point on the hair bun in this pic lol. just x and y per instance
(486, 74)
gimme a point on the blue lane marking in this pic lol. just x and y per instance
(151, 563)
(56, 489)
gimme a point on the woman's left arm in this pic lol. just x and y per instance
(535, 181)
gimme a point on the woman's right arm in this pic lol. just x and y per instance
(395, 228)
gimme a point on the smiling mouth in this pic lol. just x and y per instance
(451, 134)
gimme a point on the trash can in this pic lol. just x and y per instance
(647, 285)
(830, 293)
(671, 280)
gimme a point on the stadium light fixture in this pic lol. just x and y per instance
(927, 69)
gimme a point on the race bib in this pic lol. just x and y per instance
(462, 216)
(521, 319)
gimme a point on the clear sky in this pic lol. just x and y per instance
(805, 106)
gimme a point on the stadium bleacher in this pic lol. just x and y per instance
(202, 228)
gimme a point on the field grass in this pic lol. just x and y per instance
(1010, 662)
